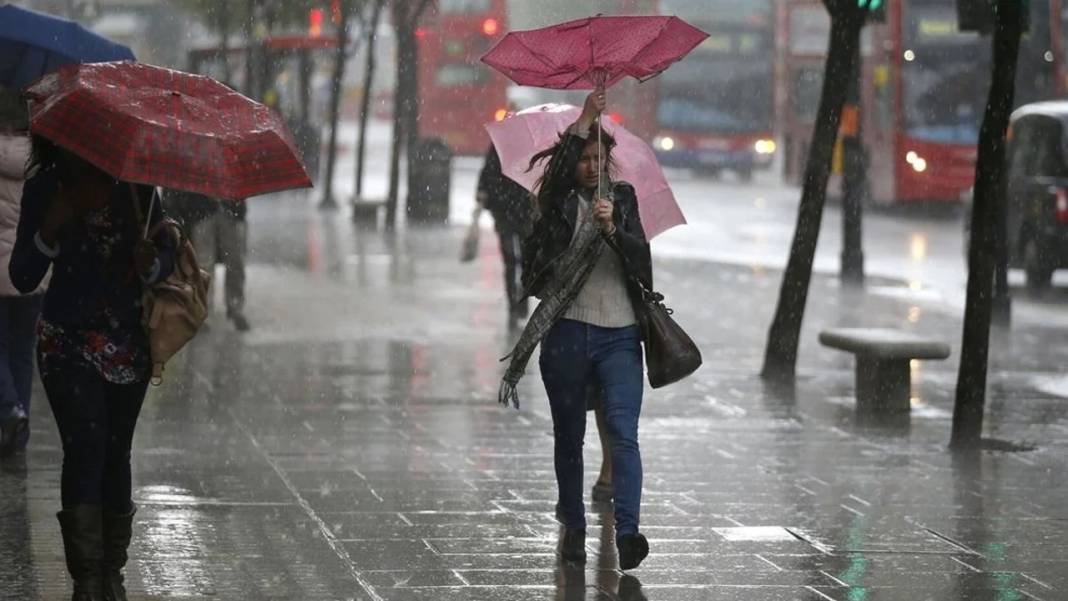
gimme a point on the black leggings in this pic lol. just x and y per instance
(96, 420)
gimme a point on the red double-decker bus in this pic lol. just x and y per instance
(458, 92)
(924, 86)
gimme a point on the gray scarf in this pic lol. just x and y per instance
(572, 270)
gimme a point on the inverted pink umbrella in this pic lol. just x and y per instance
(595, 52)
(522, 135)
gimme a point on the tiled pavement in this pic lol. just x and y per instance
(350, 448)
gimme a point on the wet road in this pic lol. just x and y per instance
(349, 447)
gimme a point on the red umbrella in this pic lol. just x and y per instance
(161, 127)
(594, 51)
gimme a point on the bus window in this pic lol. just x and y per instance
(807, 86)
(884, 98)
(944, 97)
(463, 7)
(460, 74)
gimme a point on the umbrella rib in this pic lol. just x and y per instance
(652, 41)
(536, 54)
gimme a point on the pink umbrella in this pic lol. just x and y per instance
(519, 137)
(594, 51)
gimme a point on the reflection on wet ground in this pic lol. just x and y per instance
(350, 447)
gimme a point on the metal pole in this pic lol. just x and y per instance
(854, 181)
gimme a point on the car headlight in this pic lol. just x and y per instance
(765, 146)
(664, 142)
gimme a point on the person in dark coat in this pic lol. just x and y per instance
(512, 209)
(93, 354)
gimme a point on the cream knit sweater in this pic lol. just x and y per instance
(603, 300)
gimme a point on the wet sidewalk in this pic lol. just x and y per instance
(350, 447)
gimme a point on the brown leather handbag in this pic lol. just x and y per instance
(175, 308)
(670, 353)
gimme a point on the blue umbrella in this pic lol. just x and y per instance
(33, 44)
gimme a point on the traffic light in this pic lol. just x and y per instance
(876, 9)
(315, 22)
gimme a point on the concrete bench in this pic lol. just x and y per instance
(365, 212)
(883, 357)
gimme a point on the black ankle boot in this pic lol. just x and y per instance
(83, 545)
(632, 549)
(573, 546)
(118, 529)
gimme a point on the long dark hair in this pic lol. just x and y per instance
(546, 195)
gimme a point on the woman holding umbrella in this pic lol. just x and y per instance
(576, 260)
(93, 352)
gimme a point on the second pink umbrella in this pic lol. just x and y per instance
(519, 137)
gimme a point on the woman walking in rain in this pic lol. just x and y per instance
(93, 352)
(576, 261)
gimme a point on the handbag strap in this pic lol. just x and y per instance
(647, 291)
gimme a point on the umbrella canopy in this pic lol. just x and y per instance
(162, 127)
(519, 137)
(593, 51)
(33, 44)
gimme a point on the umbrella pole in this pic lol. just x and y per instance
(602, 77)
(600, 159)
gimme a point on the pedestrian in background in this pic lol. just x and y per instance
(18, 311)
(93, 352)
(512, 209)
(219, 232)
(576, 261)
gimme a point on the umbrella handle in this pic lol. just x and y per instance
(137, 208)
(148, 217)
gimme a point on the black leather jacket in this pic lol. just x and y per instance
(555, 227)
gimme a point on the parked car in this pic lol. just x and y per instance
(1037, 191)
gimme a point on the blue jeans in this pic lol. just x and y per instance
(573, 355)
(18, 335)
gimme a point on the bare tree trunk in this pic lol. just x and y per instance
(406, 15)
(224, 34)
(250, 53)
(780, 358)
(365, 99)
(405, 41)
(328, 201)
(975, 346)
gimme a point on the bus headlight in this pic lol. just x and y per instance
(664, 142)
(765, 146)
(919, 164)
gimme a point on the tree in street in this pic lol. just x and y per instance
(989, 194)
(345, 10)
(405, 14)
(226, 18)
(847, 20)
(370, 29)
